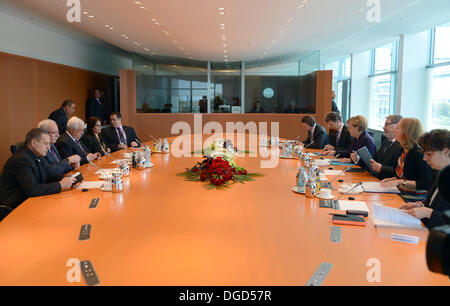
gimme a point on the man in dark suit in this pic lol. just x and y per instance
(340, 138)
(62, 115)
(119, 137)
(317, 136)
(95, 107)
(69, 144)
(334, 107)
(53, 157)
(386, 158)
(27, 173)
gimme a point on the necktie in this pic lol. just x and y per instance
(121, 136)
(55, 157)
(81, 147)
(338, 134)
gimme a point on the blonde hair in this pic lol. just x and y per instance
(411, 131)
(358, 121)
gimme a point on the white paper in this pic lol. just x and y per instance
(375, 187)
(334, 173)
(91, 185)
(353, 205)
(121, 160)
(384, 216)
(107, 171)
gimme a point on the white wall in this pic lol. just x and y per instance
(22, 37)
(360, 93)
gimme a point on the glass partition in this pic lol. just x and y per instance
(170, 85)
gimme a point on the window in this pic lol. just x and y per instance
(383, 81)
(341, 84)
(439, 79)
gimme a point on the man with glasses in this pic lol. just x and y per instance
(53, 157)
(385, 160)
(69, 143)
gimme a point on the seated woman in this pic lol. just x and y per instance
(436, 146)
(257, 108)
(92, 140)
(357, 127)
(413, 173)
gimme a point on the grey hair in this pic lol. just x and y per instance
(75, 123)
(395, 118)
(44, 124)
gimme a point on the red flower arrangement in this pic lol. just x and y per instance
(218, 173)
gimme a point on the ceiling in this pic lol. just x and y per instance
(237, 30)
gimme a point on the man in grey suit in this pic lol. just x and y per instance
(53, 157)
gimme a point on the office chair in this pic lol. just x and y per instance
(4, 211)
(16, 147)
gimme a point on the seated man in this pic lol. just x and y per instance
(119, 137)
(53, 157)
(27, 173)
(385, 161)
(317, 136)
(62, 115)
(340, 138)
(69, 143)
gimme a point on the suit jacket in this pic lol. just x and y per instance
(112, 141)
(416, 169)
(364, 140)
(67, 147)
(319, 140)
(334, 107)
(345, 139)
(92, 144)
(60, 117)
(388, 156)
(26, 175)
(94, 108)
(439, 205)
(62, 165)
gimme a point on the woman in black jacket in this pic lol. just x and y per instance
(436, 145)
(413, 173)
(92, 140)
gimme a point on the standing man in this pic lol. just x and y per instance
(203, 103)
(27, 174)
(95, 107)
(317, 136)
(334, 107)
(62, 115)
(69, 144)
(119, 137)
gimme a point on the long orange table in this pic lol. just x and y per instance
(162, 230)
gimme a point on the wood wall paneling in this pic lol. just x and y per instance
(31, 89)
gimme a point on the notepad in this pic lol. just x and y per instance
(375, 187)
(352, 205)
(335, 163)
(91, 185)
(334, 173)
(384, 216)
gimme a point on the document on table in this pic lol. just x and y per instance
(91, 185)
(375, 187)
(353, 205)
(107, 171)
(118, 161)
(334, 173)
(384, 216)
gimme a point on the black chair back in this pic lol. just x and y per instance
(16, 147)
(4, 211)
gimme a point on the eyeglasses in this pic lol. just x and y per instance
(388, 123)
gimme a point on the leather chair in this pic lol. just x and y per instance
(16, 147)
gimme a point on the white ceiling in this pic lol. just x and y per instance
(254, 29)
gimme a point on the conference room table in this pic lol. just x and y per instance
(163, 230)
